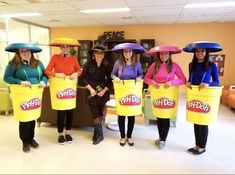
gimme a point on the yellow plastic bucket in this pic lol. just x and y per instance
(27, 102)
(164, 101)
(63, 93)
(202, 106)
(128, 97)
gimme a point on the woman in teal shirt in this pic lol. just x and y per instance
(25, 70)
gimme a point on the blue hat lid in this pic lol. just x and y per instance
(135, 47)
(15, 46)
(210, 46)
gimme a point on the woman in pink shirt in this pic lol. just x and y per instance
(163, 71)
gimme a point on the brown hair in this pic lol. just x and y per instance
(158, 62)
(16, 61)
(123, 62)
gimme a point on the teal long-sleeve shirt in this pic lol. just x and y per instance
(24, 73)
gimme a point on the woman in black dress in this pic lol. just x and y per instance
(96, 78)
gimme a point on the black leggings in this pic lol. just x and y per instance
(26, 131)
(130, 125)
(163, 126)
(60, 120)
(201, 134)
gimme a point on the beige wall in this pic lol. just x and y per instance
(176, 34)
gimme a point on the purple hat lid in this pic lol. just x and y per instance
(210, 46)
(135, 47)
(164, 48)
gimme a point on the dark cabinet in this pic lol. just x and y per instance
(145, 59)
(83, 54)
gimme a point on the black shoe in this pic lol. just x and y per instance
(191, 150)
(26, 147)
(68, 138)
(34, 144)
(130, 142)
(61, 139)
(121, 142)
(198, 152)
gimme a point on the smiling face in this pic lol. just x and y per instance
(127, 53)
(65, 49)
(99, 55)
(164, 56)
(25, 54)
(200, 54)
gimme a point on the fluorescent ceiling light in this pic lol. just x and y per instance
(206, 5)
(12, 15)
(105, 10)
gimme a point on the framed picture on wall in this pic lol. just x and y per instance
(218, 59)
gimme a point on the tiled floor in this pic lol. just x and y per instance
(108, 157)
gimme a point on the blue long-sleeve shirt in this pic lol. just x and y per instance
(25, 73)
(199, 75)
(128, 72)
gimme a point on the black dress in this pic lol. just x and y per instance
(97, 78)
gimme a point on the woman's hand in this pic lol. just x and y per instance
(101, 93)
(154, 84)
(42, 84)
(73, 76)
(138, 79)
(60, 75)
(116, 79)
(167, 85)
(92, 92)
(188, 85)
(26, 83)
(203, 85)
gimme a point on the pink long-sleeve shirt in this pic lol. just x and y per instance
(162, 76)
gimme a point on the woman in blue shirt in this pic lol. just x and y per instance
(25, 70)
(127, 67)
(201, 71)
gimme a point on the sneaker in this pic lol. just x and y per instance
(34, 144)
(61, 139)
(199, 151)
(192, 149)
(157, 142)
(68, 138)
(26, 147)
(162, 145)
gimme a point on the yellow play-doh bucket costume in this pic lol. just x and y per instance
(164, 101)
(27, 102)
(128, 96)
(202, 106)
(63, 93)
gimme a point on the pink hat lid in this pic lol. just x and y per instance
(164, 48)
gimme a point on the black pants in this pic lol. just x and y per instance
(130, 125)
(26, 131)
(201, 134)
(61, 115)
(163, 126)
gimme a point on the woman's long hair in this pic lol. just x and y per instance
(123, 62)
(205, 63)
(158, 62)
(16, 61)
